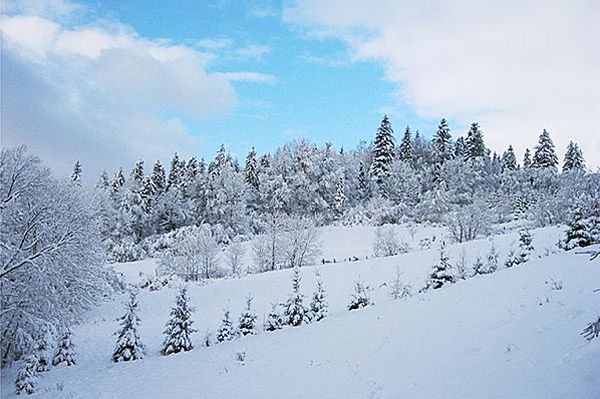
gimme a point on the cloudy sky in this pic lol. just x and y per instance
(109, 82)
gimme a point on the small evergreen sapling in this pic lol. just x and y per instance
(26, 380)
(274, 320)
(295, 313)
(129, 345)
(226, 331)
(360, 297)
(66, 350)
(179, 327)
(318, 304)
(397, 289)
(42, 352)
(491, 264)
(579, 234)
(525, 245)
(441, 274)
(247, 322)
(478, 267)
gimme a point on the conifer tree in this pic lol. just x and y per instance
(442, 142)
(544, 155)
(175, 173)
(42, 351)
(362, 180)
(65, 351)
(441, 273)
(509, 159)
(129, 345)
(179, 328)
(251, 170)
(295, 313)
(406, 150)
(578, 234)
(76, 175)
(339, 200)
(318, 304)
(459, 148)
(118, 182)
(383, 151)
(527, 159)
(360, 298)
(226, 332)
(525, 245)
(103, 182)
(158, 179)
(573, 158)
(475, 147)
(274, 320)
(491, 260)
(478, 266)
(247, 321)
(26, 380)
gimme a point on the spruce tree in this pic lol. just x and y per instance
(159, 182)
(406, 151)
(26, 379)
(318, 304)
(251, 170)
(509, 159)
(360, 298)
(65, 351)
(175, 173)
(383, 151)
(274, 320)
(578, 234)
(226, 332)
(475, 147)
(179, 327)
(573, 158)
(42, 351)
(459, 148)
(362, 180)
(76, 175)
(129, 345)
(118, 182)
(527, 159)
(247, 321)
(544, 155)
(339, 200)
(295, 313)
(441, 273)
(491, 261)
(442, 143)
(525, 245)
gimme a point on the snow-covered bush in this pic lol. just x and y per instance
(26, 380)
(360, 298)
(387, 242)
(179, 328)
(65, 351)
(129, 345)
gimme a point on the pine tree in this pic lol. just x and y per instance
(318, 304)
(544, 155)
(442, 142)
(179, 328)
(295, 313)
(406, 151)
(573, 158)
(66, 350)
(226, 332)
(76, 175)
(129, 345)
(247, 321)
(274, 320)
(527, 159)
(175, 173)
(251, 170)
(362, 180)
(459, 148)
(118, 182)
(42, 352)
(509, 159)
(491, 260)
(103, 182)
(578, 234)
(339, 200)
(159, 182)
(360, 297)
(475, 147)
(525, 245)
(478, 267)
(26, 380)
(441, 274)
(383, 151)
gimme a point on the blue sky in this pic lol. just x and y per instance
(109, 82)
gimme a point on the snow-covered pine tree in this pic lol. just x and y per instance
(441, 273)
(118, 181)
(383, 151)
(295, 313)
(339, 200)
(26, 380)
(318, 304)
(525, 245)
(459, 148)
(442, 143)
(179, 327)
(478, 266)
(593, 223)
(76, 175)
(360, 297)
(527, 158)
(573, 158)
(159, 181)
(66, 350)
(274, 320)
(475, 147)
(509, 159)
(175, 173)
(247, 321)
(406, 150)
(42, 350)
(129, 345)
(491, 264)
(578, 234)
(226, 332)
(251, 170)
(545, 155)
(362, 180)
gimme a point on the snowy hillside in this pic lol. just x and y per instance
(509, 334)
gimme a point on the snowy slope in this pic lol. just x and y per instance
(503, 335)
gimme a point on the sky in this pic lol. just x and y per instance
(110, 82)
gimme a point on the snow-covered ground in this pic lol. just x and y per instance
(511, 334)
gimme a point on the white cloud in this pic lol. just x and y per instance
(253, 51)
(514, 66)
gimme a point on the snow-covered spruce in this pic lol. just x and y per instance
(318, 303)
(274, 320)
(26, 380)
(129, 345)
(578, 234)
(179, 327)
(441, 273)
(383, 151)
(360, 297)
(247, 321)
(226, 331)
(398, 290)
(524, 252)
(42, 351)
(295, 312)
(66, 350)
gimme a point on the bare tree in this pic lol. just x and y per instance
(195, 257)
(234, 255)
(300, 244)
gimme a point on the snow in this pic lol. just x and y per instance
(508, 334)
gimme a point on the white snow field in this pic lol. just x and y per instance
(511, 334)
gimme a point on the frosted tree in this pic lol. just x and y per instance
(300, 244)
(578, 234)
(475, 147)
(175, 173)
(226, 331)
(442, 143)
(195, 256)
(405, 152)
(525, 245)
(66, 350)
(441, 273)
(295, 313)
(247, 321)
(274, 320)
(363, 183)
(117, 183)
(251, 170)
(398, 290)
(544, 155)
(383, 151)
(527, 159)
(179, 327)
(76, 175)
(339, 200)
(234, 255)
(491, 264)
(360, 297)
(42, 351)
(460, 148)
(129, 345)
(509, 159)
(26, 380)
(318, 303)
(158, 179)
(573, 158)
